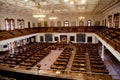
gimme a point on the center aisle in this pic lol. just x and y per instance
(71, 58)
(50, 59)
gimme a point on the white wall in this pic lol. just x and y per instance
(4, 42)
(94, 36)
(62, 18)
(75, 18)
(15, 17)
(68, 37)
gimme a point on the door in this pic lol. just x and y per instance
(63, 39)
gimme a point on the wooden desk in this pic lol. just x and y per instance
(60, 63)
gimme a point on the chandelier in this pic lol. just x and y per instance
(39, 16)
(52, 15)
(76, 1)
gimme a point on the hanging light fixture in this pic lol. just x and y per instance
(81, 17)
(40, 15)
(52, 16)
(76, 1)
(71, 2)
(38, 5)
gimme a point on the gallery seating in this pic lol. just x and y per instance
(111, 36)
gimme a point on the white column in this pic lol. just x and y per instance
(37, 38)
(68, 38)
(102, 55)
(1, 48)
(59, 39)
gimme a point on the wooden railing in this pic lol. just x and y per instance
(16, 33)
(110, 35)
(66, 29)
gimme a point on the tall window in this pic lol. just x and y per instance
(28, 24)
(116, 20)
(39, 24)
(73, 23)
(33, 24)
(52, 24)
(9, 24)
(81, 23)
(89, 23)
(45, 24)
(12, 24)
(20, 23)
(97, 23)
(59, 23)
(110, 21)
(66, 23)
(105, 22)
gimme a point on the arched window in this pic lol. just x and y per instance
(39, 24)
(66, 23)
(89, 23)
(20, 23)
(12, 24)
(33, 24)
(73, 23)
(45, 24)
(52, 24)
(81, 23)
(9, 24)
(110, 21)
(59, 23)
(116, 20)
(29, 25)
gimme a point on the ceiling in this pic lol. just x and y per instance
(61, 7)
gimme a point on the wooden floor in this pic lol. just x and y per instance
(113, 65)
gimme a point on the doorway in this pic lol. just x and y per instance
(63, 39)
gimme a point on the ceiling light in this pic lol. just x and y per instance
(52, 15)
(71, 2)
(53, 18)
(83, 1)
(82, 17)
(65, 0)
(26, 0)
(39, 16)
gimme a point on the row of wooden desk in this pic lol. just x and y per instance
(62, 61)
(28, 58)
(96, 63)
(79, 62)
